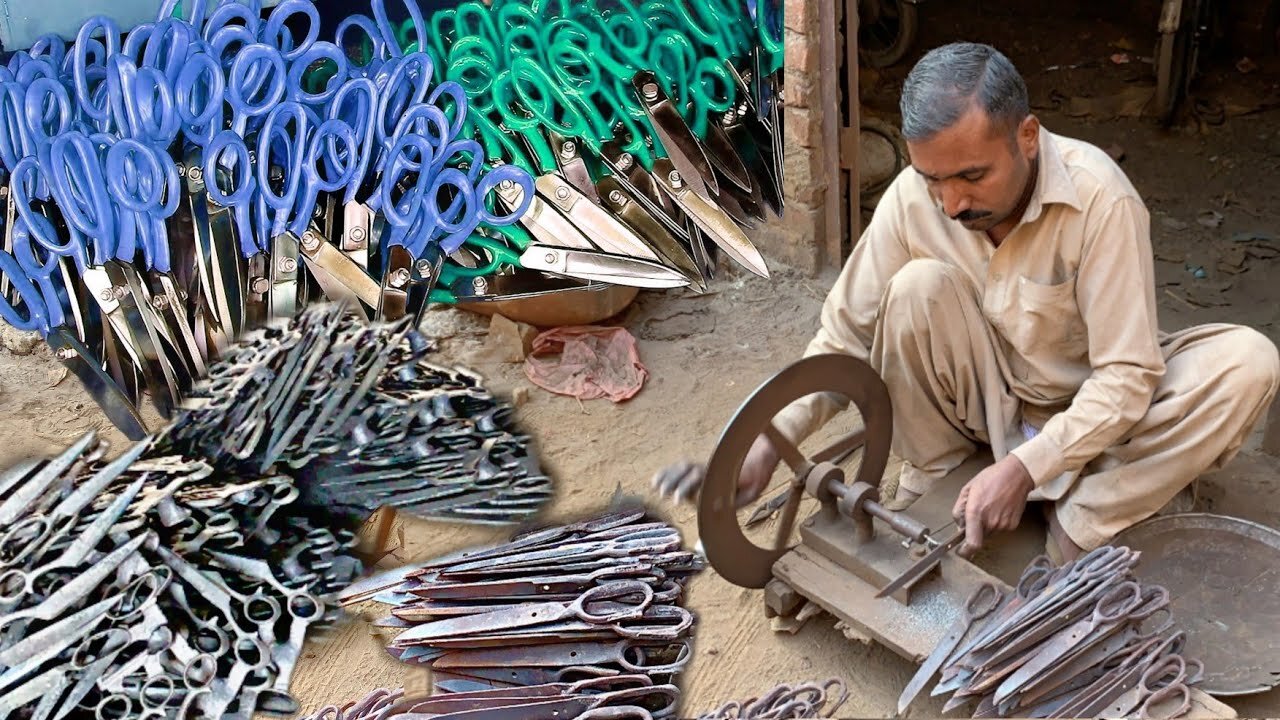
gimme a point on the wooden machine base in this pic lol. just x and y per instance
(911, 630)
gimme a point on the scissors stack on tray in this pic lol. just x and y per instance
(619, 697)
(149, 587)
(1083, 640)
(359, 414)
(593, 600)
(802, 700)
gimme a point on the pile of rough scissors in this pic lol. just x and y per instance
(786, 701)
(1082, 640)
(358, 414)
(171, 190)
(149, 586)
(593, 600)
(618, 697)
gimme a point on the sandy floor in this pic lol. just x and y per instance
(707, 353)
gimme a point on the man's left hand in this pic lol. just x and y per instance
(992, 501)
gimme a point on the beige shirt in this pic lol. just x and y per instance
(1070, 295)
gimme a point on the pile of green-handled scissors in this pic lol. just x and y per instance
(652, 129)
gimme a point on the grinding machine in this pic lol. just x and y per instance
(889, 577)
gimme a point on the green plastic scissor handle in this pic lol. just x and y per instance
(558, 109)
(500, 251)
(700, 86)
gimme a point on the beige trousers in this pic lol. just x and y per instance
(935, 350)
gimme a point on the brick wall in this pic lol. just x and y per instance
(796, 239)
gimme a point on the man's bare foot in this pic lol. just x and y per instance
(1059, 546)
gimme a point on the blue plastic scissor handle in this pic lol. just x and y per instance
(241, 81)
(80, 190)
(377, 44)
(494, 178)
(326, 137)
(277, 34)
(143, 102)
(228, 15)
(15, 140)
(80, 65)
(49, 45)
(173, 9)
(37, 318)
(361, 96)
(391, 43)
(317, 52)
(201, 81)
(242, 195)
(37, 224)
(138, 179)
(169, 45)
(276, 134)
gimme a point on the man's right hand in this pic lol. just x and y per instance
(683, 480)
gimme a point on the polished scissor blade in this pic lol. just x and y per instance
(517, 285)
(603, 229)
(917, 571)
(544, 222)
(711, 220)
(679, 142)
(623, 204)
(722, 154)
(615, 269)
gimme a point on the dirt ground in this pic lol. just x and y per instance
(1212, 188)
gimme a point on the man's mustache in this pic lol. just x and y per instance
(970, 215)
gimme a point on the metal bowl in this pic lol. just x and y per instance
(1223, 577)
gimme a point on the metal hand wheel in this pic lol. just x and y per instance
(730, 552)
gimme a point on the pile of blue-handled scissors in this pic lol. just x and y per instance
(170, 187)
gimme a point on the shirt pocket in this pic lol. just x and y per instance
(1045, 319)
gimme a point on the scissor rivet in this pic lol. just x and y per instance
(562, 193)
(569, 148)
(357, 235)
(399, 277)
(650, 91)
(674, 177)
(480, 285)
(107, 294)
(288, 265)
(624, 161)
(66, 353)
(508, 184)
(196, 174)
(310, 241)
(615, 197)
(119, 292)
(160, 302)
(551, 257)
(260, 285)
(423, 266)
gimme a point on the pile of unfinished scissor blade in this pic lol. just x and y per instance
(618, 697)
(361, 417)
(153, 587)
(597, 598)
(1083, 640)
(802, 700)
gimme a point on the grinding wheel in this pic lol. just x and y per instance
(730, 552)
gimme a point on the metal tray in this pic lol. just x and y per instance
(1223, 577)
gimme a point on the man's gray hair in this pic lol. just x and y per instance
(948, 80)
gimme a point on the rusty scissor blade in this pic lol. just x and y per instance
(533, 586)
